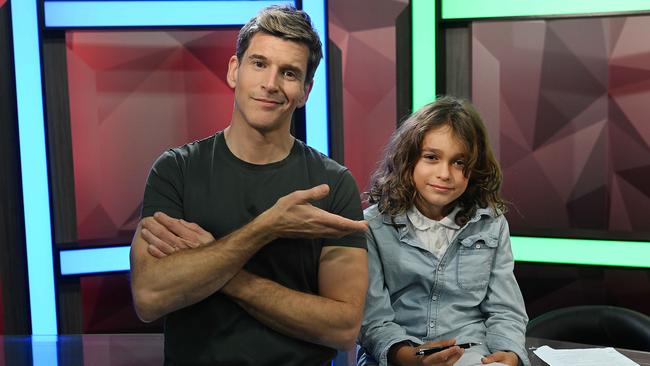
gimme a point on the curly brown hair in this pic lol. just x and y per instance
(391, 184)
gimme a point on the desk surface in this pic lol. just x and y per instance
(147, 350)
(640, 357)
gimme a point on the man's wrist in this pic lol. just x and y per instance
(263, 225)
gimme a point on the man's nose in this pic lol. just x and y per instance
(271, 81)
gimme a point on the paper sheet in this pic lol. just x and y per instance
(583, 357)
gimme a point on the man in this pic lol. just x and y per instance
(285, 282)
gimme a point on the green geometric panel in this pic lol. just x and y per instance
(472, 9)
(581, 251)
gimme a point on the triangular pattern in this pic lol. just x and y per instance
(364, 32)
(587, 165)
(134, 94)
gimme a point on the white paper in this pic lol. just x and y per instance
(583, 357)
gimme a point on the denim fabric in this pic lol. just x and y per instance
(469, 294)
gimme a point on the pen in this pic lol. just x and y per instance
(428, 351)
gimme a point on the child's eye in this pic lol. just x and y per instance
(459, 163)
(430, 157)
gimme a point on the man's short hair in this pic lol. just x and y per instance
(288, 23)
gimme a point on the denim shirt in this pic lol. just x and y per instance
(469, 294)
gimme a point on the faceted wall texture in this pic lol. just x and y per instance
(364, 31)
(567, 103)
(134, 94)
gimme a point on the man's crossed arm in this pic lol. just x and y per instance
(163, 283)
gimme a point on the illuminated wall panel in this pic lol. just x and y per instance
(467, 9)
(369, 88)
(32, 144)
(464, 10)
(567, 103)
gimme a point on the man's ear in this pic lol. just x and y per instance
(233, 66)
(308, 87)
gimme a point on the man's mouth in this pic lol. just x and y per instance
(268, 101)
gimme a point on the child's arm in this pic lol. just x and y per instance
(379, 332)
(503, 304)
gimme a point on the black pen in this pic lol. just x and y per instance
(428, 351)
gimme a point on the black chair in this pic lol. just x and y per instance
(594, 324)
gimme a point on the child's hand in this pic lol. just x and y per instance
(447, 357)
(404, 355)
(509, 358)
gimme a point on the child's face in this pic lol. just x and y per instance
(438, 173)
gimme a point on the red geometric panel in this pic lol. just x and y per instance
(364, 31)
(569, 121)
(134, 94)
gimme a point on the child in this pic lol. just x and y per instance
(440, 262)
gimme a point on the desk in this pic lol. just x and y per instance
(640, 357)
(147, 350)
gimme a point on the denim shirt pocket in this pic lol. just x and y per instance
(475, 256)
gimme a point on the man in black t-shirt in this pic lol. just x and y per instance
(284, 281)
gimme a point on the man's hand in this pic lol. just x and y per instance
(404, 354)
(293, 216)
(508, 358)
(166, 235)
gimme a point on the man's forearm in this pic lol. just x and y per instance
(311, 318)
(162, 285)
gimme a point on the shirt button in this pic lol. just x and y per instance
(478, 246)
(434, 298)
(431, 324)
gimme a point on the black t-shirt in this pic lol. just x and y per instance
(204, 182)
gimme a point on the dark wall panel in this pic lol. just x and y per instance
(547, 286)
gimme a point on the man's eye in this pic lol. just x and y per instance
(290, 75)
(258, 64)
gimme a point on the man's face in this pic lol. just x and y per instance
(269, 82)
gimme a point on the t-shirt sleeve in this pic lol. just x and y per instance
(164, 188)
(346, 202)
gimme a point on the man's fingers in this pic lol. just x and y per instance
(175, 231)
(155, 252)
(341, 223)
(152, 239)
(193, 226)
(312, 194)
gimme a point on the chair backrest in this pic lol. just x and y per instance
(594, 324)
